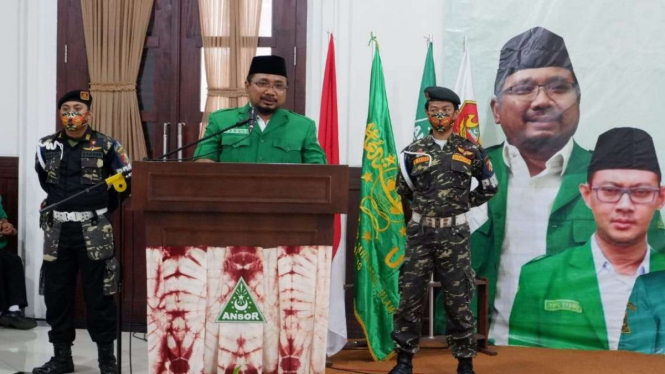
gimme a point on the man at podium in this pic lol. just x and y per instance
(276, 136)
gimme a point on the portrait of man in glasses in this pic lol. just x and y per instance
(539, 211)
(577, 299)
(278, 136)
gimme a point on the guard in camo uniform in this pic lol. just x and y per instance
(435, 177)
(78, 234)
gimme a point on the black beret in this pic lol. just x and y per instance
(82, 96)
(624, 148)
(268, 65)
(434, 93)
(534, 48)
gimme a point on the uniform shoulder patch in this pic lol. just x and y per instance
(459, 157)
(421, 159)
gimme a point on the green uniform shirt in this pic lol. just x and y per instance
(289, 138)
(3, 214)
(558, 302)
(644, 325)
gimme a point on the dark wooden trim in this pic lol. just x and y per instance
(148, 116)
(266, 42)
(189, 65)
(152, 42)
(74, 73)
(300, 94)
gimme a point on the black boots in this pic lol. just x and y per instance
(17, 320)
(106, 358)
(404, 364)
(61, 363)
(465, 366)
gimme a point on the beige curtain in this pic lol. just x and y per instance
(115, 32)
(230, 31)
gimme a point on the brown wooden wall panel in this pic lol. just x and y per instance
(10, 196)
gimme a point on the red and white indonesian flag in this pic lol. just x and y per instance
(328, 137)
(467, 124)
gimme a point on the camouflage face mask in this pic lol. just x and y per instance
(441, 121)
(72, 120)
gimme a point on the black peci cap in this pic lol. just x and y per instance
(532, 49)
(274, 65)
(624, 148)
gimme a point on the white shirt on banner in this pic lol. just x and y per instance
(529, 204)
(615, 290)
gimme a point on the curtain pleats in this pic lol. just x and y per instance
(115, 32)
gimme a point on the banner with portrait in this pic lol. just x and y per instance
(569, 98)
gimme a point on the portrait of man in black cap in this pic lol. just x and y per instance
(279, 135)
(577, 298)
(435, 177)
(539, 211)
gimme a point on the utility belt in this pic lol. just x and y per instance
(77, 216)
(97, 234)
(439, 222)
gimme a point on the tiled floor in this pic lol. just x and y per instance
(20, 351)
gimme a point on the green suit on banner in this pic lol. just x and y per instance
(571, 221)
(644, 325)
(289, 138)
(558, 304)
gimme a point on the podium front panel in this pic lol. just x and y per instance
(215, 309)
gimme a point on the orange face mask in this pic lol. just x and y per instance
(72, 120)
(441, 122)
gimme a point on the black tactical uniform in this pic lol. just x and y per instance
(78, 235)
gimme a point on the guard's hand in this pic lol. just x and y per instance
(7, 228)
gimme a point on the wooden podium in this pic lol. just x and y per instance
(238, 264)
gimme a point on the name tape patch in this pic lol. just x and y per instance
(459, 157)
(559, 305)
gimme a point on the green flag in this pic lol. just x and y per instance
(379, 249)
(429, 79)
